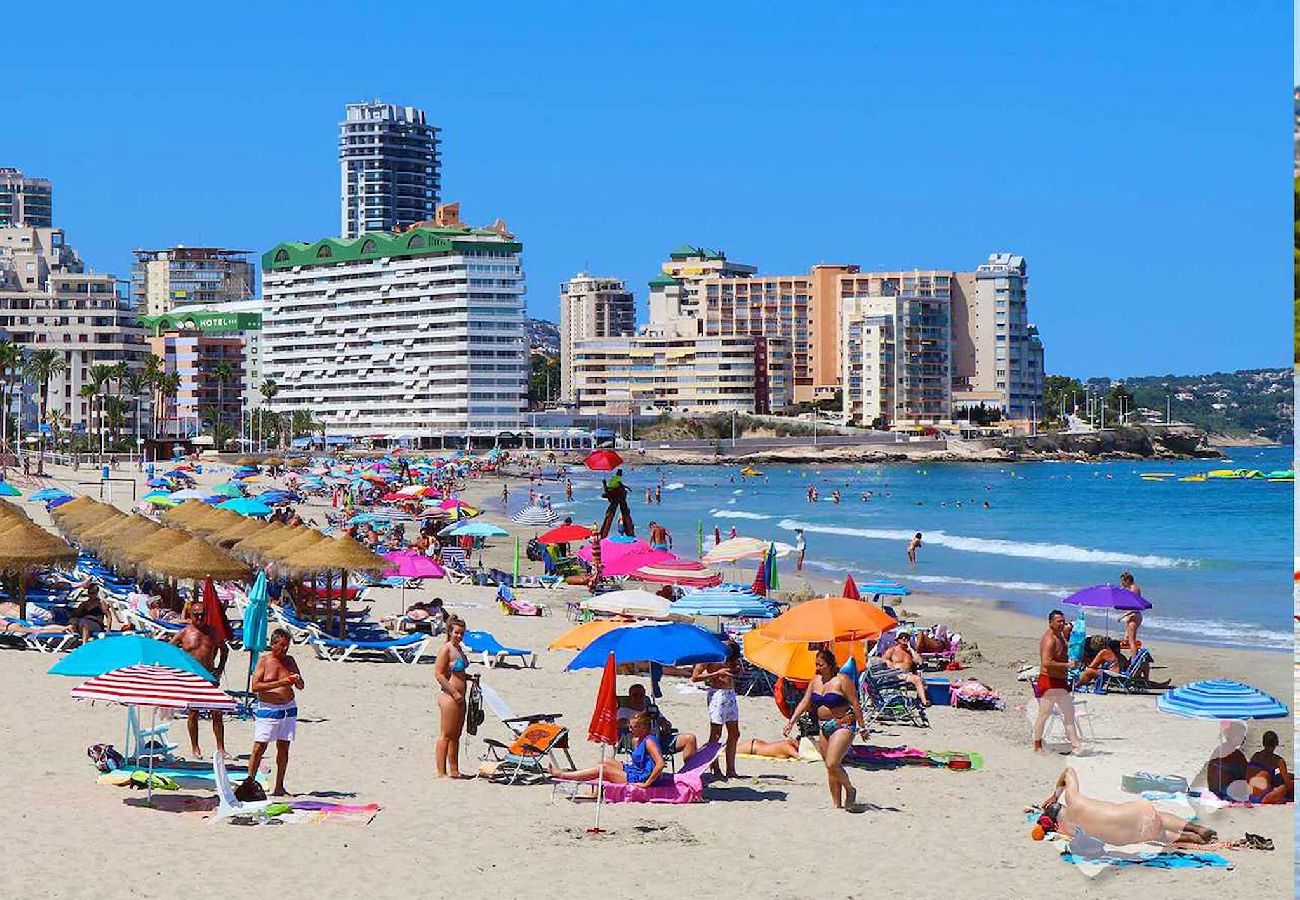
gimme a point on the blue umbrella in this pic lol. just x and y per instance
(277, 497)
(1220, 698)
(47, 494)
(255, 622)
(884, 589)
(157, 482)
(120, 651)
(476, 528)
(674, 644)
(246, 506)
(58, 501)
(8, 490)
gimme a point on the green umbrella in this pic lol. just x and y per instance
(699, 538)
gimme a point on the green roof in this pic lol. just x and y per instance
(662, 281)
(376, 245)
(686, 251)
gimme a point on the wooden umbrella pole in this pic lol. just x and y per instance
(343, 603)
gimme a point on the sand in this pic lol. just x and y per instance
(367, 736)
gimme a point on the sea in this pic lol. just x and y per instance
(1214, 558)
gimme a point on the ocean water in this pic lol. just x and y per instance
(1214, 558)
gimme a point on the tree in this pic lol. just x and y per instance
(169, 385)
(222, 372)
(137, 382)
(543, 379)
(154, 370)
(114, 416)
(1119, 402)
(1060, 392)
(41, 367)
(100, 376)
(303, 424)
(268, 390)
(11, 368)
(57, 419)
(222, 433)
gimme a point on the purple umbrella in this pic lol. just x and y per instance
(409, 564)
(1107, 597)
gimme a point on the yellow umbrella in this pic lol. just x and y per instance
(579, 636)
(795, 659)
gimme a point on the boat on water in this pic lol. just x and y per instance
(1223, 473)
(1156, 476)
(750, 472)
(1195, 478)
(1281, 476)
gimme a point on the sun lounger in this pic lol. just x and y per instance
(228, 805)
(407, 649)
(1127, 681)
(885, 701)
(494, 652)
(501, 709)
(527, 759)
(684, 786)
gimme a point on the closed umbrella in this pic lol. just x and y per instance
(603, 728)
(830, 619)
(672, 644)
(214, 613)
(1220, 698)
(255, 624)
(850, 588)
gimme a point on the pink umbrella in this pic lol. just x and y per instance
(410, 564)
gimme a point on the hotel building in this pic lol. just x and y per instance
(591, 307)
(179, 277)
(410, 335)
(997, 354)
(389, 169)
(49, 302)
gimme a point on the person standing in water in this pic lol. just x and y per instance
(912, 546)
(799, 547)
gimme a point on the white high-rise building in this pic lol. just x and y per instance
(997, 354)
(412, 335)
(591, 307)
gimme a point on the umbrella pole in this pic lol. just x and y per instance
(153, 724)
(600, 789)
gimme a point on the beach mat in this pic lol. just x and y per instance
(1166, 859)
(871, 757)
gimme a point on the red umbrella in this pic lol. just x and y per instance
(850, 588)
(603, 461)
(154, 685)
(564, 534)
(760, 579)
(604, 718)
(214, 613)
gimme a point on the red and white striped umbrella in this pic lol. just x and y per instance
(153, 685)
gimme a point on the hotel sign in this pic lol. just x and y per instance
(203, 321)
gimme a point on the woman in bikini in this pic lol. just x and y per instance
(1267, 774)
(834, 699)
(1132, 619)
(450, 669)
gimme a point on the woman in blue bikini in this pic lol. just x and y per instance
(834, 700)
(643, 770)
(450, 669)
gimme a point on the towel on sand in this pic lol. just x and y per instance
(1166, 859)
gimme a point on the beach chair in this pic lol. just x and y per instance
(573, 611)
(939, 660)
(885, 701)
(501, 709)
(1082, 719)
(143, 743)
(511, 605)
(683, 786)
(406, 649)
(228, 805)
(525, 760)
(494, 653)
(1127, 681)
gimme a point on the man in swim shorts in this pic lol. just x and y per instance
(276, 715)
(1076, 816)
(1053, 687)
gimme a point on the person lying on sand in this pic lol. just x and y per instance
(1076, 815)
(12, 627)
(783, 749)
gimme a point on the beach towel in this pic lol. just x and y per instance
(1166, 859)
(685, 786)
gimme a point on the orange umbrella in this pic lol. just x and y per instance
(830, 619)
(795, 659)
(579, 636)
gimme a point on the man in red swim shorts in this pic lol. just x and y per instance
(1053, 687)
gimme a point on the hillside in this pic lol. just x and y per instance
(1242, 404)
(544, 337)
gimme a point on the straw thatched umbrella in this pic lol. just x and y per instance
(23, 547)
(342, 554)
(117, 532)
(285, 550)
(217, 520)
(196, 559)
(9, 511)
(160, 541)
(298, 462)
(87, 534)
(76, 515)
(190, 509)
(252, 546)
(273, 461)
(237, 531)
(246, 461)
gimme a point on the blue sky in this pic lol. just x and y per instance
(1138, 157)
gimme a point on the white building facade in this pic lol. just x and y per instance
(413, 335)
(591, 307)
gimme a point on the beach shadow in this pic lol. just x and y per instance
(172, 803)
(739, 794)
(326, 795)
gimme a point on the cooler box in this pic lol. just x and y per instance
(937, 690)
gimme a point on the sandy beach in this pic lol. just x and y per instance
(367, 735)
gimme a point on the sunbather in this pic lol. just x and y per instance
(787, 748)
(1137, 821)
(1267, 774)
(903, 658)
(644, 769)
(1112, 659)
(8, 626)
(89, 617)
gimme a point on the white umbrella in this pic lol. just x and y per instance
(630, 603)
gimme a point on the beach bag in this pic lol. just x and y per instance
(807, 724)
(474, 714)
(105, 758)
(250, 790)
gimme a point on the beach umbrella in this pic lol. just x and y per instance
(773, 575)
(515, 572)
(1107, 596)
(412, 564)
(565, 534)
(685, 572)
(881, 588)
(214, 613)
(850, 588)
(579, 636)
(236, 532)
(723, 604)
(603, 728)
(736, 548)
(255, 624)
(246, 506)
(157, 500)
(453, 503)
(535, 515)
(56, 502)
(137, 550)
(794, 659)
(8, 490)
(1220, 698)
(196, 558)
(635, 603)
(760, 578)
(156, 687)
(296, 541)
(23, 547)
(830, 619)
(188, 494)
(122, 650)
(603, 461)
(229, 489)
(46, 494)
(671, 644)
(342, 555)
(476, 529)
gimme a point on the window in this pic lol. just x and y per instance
(282, 255)
(324, 252)
(368, 247)
(415, 241)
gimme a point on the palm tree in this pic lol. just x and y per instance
(136, 384)
(169, 385)
(222, 372)
(268, 390)
(154, 369)
(302, 423)
(100, 376)
(41, 366)
(11, 366)
(208, 413)
(88, 393)
(57, 419)
(221, 434)
(115, 415)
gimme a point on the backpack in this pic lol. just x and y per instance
(105, 758)
(250, 790)
(474, 714)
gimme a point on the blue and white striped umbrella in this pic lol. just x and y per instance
(710, 602)
(535, 515)
(1220, 698)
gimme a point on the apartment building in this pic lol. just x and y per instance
(25, 201)
(49, 302)
(389, 169)
(179, 277)
(591, 307)
(997, 353)
(409, 335)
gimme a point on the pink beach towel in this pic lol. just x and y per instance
(686, 786)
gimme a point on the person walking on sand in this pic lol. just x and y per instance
(912, 546)
(724, 710)
(199, 639)
(276, 715)
(833, 699)
(449, 668)
(1053, 687)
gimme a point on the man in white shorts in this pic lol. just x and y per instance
(276, 714)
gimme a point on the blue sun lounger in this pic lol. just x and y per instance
(407, 649)
(493, 652)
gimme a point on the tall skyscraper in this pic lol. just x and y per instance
(25, 202)
(998, 356)
(591, 307)
(388, 168)
(177, 277)
(409, 336)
